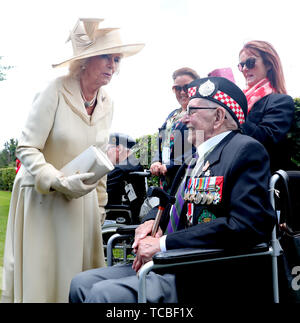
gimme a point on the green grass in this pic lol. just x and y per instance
(4, 206)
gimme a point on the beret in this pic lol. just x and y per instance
(118, 138)
(223, 92)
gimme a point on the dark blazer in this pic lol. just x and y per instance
(116, 184)
(269, 121)
(244, 217)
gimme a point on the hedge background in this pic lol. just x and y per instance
(7, 176)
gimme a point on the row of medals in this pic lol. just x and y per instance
(199, 197)
(203, 196)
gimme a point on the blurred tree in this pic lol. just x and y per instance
(7, 155)
(2, 69)
(145, 150)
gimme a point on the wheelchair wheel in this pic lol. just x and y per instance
(122, 251)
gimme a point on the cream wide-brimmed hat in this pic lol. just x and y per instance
(87, 41)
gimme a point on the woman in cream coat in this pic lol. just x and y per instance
(54, 224)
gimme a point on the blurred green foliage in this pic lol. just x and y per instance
(294, 136)
(145, 149)
(7, 177)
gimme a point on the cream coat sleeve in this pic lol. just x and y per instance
(34, 137)
(101, 188)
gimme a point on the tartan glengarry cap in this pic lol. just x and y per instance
(118, 138)
(223, 92)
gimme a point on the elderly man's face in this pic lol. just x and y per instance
(200, 122)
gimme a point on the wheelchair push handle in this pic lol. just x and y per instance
(164, 197)
(146, 173)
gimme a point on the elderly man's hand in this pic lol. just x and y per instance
(143, 231)
(147, 247)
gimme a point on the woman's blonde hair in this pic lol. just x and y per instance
(76, 67)
(270, 59)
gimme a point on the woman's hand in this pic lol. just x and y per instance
(73, 186)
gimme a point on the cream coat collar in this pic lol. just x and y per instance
(71, 94)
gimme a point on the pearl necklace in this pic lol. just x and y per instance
(87, 103)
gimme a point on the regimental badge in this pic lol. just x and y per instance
(114, 140)
(206, 88)
(206, 216)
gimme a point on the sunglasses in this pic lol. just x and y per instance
(189, 112)
(178, 88)
(250, 63)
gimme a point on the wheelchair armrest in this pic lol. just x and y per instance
(127, 229)
(177, 256)
(184, 255)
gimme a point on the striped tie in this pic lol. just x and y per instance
(178, 206)
(176, 209)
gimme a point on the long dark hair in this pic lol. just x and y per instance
(270, 58)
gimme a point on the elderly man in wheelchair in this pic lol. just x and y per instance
(222, 201)
(126, 185)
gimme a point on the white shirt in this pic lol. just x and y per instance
(201, 150)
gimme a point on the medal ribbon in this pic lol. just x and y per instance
(190, 211)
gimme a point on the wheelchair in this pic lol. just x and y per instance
(284, 197)
(129, 213)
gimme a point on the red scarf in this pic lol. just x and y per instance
(258, 91)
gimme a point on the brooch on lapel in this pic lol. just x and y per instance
(205, 169)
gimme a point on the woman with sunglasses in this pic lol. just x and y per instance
(270, 109)
(173, 147)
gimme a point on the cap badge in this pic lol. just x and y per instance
(207, 88)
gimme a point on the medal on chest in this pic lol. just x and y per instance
(205, 191)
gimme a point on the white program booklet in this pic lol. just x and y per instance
(91, 160)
